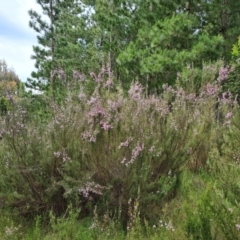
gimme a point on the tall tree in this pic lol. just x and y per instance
(61, 43)
(44, 54)
(172, 34)
(145, 40)
(168, 46)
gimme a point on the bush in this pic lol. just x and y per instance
(105, 149)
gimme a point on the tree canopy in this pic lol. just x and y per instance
(149, 41)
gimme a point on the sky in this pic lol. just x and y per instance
(16, 37)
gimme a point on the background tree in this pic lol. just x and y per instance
(164, 46)
(9, 80)
(44, 54)
(7, 74)
(148, 41)
(61, 43)
(9, 85)
(154, 40)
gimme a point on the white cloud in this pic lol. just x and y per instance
(16, 37)
(16, 12)
(17, 55)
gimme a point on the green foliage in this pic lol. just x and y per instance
(3, 105)
(146, 41)
(164, 49)
(231, 85)
(62, 43)
(235, 49)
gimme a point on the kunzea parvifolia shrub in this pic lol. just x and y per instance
(107, 148)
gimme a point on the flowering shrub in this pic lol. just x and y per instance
(100, 149)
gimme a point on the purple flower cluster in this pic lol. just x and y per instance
(62, 154)
(136, 152)
(91, 188)
(78, 76)
(212, 89)
(136, 91)
(104, 76)
(223, 74)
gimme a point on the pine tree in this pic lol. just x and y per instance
(145, 40)
(170, 36)
(61, 43)
(44, 54)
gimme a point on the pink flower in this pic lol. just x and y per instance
(135, 91)
(78, 76)
(124, 160)
(227, 97)
(211, 89)
(136, 152)
(91, 188)
(126, 143)
(229, 115)
(223, 74)
(106, 126)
